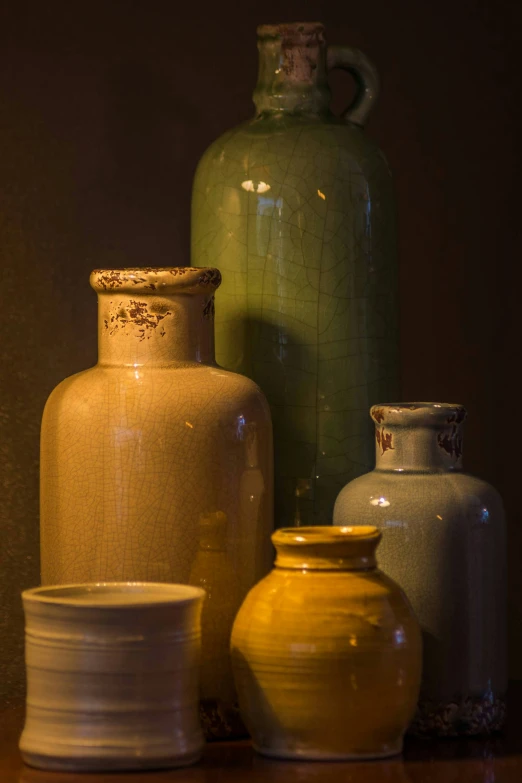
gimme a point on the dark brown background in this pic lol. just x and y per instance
(105, 108)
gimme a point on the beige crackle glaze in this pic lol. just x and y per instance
(143, 453)
(445, 543)
(326, 650)
(112, 676)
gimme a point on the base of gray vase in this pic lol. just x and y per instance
(315, 754)
(221, 721)
(467, 716)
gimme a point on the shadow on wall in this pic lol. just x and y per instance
(94, 165)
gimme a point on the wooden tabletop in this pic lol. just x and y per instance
(495, 760)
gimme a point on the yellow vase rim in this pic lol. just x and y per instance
(300, 536)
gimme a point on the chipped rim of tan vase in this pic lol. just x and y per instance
(157, 279)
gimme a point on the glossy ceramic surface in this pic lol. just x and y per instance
(112, 676)
(144, 453)
(326, 650)
(444, 542)
(296, 207)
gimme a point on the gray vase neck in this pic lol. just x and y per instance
(418, 436)
(155, 316)
(292, 70)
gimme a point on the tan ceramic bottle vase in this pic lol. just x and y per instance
(326, 650)
(138, 449)
(444, 542)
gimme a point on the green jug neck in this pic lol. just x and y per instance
(292, 75)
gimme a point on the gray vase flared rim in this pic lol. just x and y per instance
(125, 595)
(418, 413)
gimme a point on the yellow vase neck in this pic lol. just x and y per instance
(326, 548)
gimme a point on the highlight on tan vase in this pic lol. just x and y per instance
(112, 676)
(326, 650)
(138, 450)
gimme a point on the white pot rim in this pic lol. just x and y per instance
(113, 595)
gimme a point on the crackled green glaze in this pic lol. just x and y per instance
(296, 209)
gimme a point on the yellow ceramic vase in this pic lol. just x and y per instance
(326, 650)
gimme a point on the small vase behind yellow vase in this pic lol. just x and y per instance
(326, 650)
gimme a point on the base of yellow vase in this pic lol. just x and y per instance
(324, 755)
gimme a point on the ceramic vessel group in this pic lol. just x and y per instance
(157, 467)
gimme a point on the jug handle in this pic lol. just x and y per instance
(366, 77)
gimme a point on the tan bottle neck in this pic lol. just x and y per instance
(154, 329)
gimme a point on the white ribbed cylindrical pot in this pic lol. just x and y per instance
(112, 676)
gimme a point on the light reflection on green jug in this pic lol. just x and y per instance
(296, 208)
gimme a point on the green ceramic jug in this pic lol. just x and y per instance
(295, 207)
